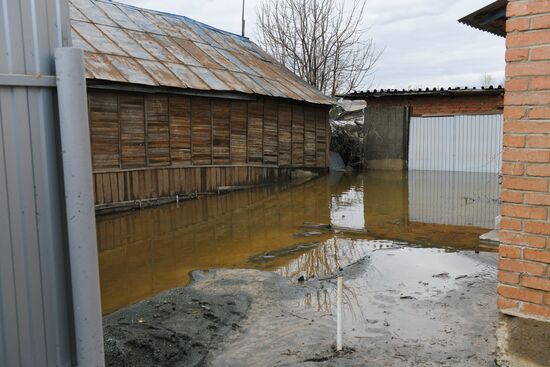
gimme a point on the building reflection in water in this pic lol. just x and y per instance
(143, 253)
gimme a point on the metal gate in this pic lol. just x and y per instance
(468, 143)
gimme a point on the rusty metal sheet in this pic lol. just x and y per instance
(183, 29)
(133, 45)
(250, 84)
(91, 34)
(131, 70)
(137, 17)
(203, 59)
(267, 86)
(159, 21)
(77, 14)
(175, 49)
(221, 38)
(230, 80)
(125, 42)
(80, 43)
(210, 79)
(152, 46)
(187, 76)
(92, 12)
(287, 90)
(197, 28)
(117, 15)
(217, 57)
(161, 74)
(100, 68)
(235, 61)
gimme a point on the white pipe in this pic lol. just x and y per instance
(79, 202)
(339, 313)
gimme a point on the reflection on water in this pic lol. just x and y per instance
(376, 301)
(456, 198)
(143, 253)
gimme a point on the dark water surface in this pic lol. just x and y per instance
(143, 253)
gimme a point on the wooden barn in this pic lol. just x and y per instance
(179, 107)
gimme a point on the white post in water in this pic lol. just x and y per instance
(339, 313)
(177, 201)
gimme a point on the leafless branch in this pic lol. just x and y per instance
(322, 41)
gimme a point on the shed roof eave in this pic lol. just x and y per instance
(491, 18)
(430, 92)
(108, 85)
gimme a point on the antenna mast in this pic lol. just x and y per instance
(243, 21)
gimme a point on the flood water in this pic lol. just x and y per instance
(145, 252)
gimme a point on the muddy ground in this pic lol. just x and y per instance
(395, 315)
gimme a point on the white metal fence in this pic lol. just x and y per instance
(468, 143)
(49, 291)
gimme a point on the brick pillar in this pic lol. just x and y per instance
(524, 270)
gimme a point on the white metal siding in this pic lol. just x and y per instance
(35, 320)
(469, 143)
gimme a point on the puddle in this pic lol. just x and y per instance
(143, 253)
(384, 298)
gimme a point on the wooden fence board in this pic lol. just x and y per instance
(255, 131)
(297, 135)
(285, 133)
(270, 143)
(158, 136)
(201, 131)
(131, 115)
(309, 136)
(321, 148)
(238, 115)
(180, 129)
(221, 110)
(104, 130)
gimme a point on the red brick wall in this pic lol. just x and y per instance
(524, 270)
(443, 105)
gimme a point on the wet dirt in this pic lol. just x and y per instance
(175, 328)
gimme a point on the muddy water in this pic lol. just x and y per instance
(143, 253)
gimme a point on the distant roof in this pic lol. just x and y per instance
(123, 43)
(491, 18)
(424, 92)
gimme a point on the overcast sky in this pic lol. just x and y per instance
(423, 43)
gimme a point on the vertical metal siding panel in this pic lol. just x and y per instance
(469, 143)
(413, 156)
(34, 325)
(412, 152)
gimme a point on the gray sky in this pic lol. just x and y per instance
(423, 43)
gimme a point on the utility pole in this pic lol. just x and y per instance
(243, 21)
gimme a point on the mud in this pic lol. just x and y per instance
(175, 328)
(413, 317)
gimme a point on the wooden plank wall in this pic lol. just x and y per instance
(150, 146)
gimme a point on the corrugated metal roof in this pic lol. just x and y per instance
(123, 43)
(376, 93)
(491, 18)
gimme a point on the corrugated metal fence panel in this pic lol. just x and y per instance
(469, 143)
(454, 198)
(35, 329)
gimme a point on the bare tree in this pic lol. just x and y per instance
(487, 80)
(322, 41)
